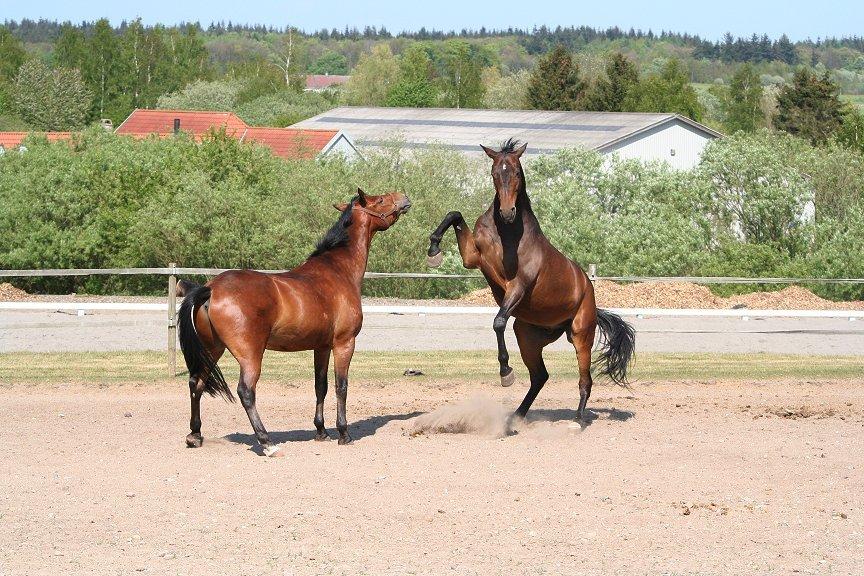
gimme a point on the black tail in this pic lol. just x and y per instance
(618, 343)
(198, 360)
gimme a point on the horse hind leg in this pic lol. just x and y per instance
(196, 390)
(532, 339)
(250, 372)
(582, 337)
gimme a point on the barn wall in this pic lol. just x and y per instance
(658, 144)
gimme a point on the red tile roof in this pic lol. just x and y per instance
(13, 139)
(290, 142)
(322, 81)
(145, 122)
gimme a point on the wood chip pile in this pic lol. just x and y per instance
(689, 295)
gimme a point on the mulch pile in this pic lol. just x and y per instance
(689, 295)
(9, 293)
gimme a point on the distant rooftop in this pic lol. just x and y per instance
(323, 81)
(144, 122)
(9, 140)
(464, 129)
(290, 142)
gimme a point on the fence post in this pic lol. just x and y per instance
(592, 272)
(172, 321)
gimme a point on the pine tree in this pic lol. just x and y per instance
(810, 107)
(608, 93)
(555, 83)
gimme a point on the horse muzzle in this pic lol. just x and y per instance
(509, 216)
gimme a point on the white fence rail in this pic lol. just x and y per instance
(172, 271)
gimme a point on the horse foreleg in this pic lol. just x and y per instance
(322, 362)
(464, 237)
(342, 354)
(511, 299)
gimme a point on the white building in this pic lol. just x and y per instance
(646, 136)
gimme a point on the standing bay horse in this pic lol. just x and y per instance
(549, 294)
(315, 306)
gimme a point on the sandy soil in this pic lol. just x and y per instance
(671, 478)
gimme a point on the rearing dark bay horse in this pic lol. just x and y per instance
(315, 306)
(548, 293)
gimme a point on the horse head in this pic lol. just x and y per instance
(508, 176)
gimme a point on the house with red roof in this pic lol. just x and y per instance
(13, 140)
(294, 143)
(284, 142)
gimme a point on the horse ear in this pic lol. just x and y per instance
(521, 150)
(340, 206)
(489, 152)
(361, 196)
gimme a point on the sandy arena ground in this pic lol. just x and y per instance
(671, 478)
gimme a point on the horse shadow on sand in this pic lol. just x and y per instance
(568, 414)
(358, 430)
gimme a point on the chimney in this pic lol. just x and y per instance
(176, 125)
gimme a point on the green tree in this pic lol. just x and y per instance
(373, 77)
(12, 55)
(741, 103)
(414, 86)
(555, 83)
(810, 107)
(506, 92)
(461, 78)
(70, 48)
(101, 68)
(851, 133)
(330, 63)
(669, 91)
(609, 92)
(51, 99)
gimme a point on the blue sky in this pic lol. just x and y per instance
(708, 19)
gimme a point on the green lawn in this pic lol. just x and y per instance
(439, 367)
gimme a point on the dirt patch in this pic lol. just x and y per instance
(688, 295)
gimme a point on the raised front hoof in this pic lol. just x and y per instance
(194, 440)
(345, 440)
(435, 261)
(508, 379)
(272, 451)
(322, 437)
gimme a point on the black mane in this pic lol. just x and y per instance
(510, 145)
(337, 235)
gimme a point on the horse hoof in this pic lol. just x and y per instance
(194, 440)
(322, 437)
(508, 379)
(345, 440)
(435, 261)
(273, 452)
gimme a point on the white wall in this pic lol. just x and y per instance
(659, 143)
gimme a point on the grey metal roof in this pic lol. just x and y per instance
(463, 129)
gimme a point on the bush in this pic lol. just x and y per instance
(107, 201)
